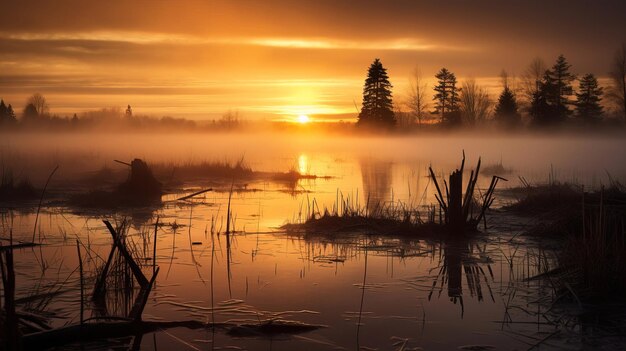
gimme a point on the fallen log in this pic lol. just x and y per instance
(194, 194)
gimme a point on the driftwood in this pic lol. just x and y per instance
(144, 283)
(194, 194)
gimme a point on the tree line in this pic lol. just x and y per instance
(36, 115)
(543, 97)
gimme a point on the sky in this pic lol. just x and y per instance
(278, 59)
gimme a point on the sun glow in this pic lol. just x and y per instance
(303, 119)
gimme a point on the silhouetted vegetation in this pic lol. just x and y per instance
(457, 213)
(7, 115)
(447, 98)
(12, 189)
(590, 225)
(550, 104)
(617, 91)
(417, 99)
(474, 103)
(588, 99)
(506, 113)
(540, 97)
(377, 107)
(141, 188)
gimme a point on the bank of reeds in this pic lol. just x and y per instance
(456, 212)
(595, 255)
(592, 227)
(348, 214)
(12, 188)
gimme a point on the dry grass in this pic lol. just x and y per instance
(348, 215)
(592, 228)
(595, 255)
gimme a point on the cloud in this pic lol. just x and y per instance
(276, 55)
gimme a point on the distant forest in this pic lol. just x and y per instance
(542, 97)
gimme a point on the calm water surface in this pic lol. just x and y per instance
(369, 292)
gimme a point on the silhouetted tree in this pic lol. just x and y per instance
(474, 103)
(30, 113)
(532, 79)
(417, 96)
(7, 116)
(377, 104)
(40, 104)
(541, 112)
(588, 99)
(506, 112)
(11, 114)
(617, 91)
(447, 97)
(557, 86)
(549, 104)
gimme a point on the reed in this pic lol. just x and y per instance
(594, 257)
(13, 189)
(348, 214)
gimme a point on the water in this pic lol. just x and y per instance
(367, 291)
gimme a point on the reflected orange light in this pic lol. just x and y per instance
(303, 164)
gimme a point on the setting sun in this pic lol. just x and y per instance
(303, 119)
(315, 140)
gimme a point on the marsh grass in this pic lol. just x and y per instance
(12, 188)
(348, 214)
(595, 255)
(592, 228)
(172, 171)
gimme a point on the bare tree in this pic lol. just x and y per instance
(532, 77)
(40, 103)
(617, 91)
(504, 79)
(417, 100)
(475, 103)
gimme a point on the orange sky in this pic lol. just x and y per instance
(271, 59)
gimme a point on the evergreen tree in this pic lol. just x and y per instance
(556, 87)
(3, 111)
(541, 112)
(11, 115)
(506, 112)
(377, 103)
(447, 97)
(588, 99)
(7, 116)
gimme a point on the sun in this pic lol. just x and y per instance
(303, 119)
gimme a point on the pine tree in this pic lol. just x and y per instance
(447, 97)
(541, 112)
(3, 111)
(377, 100)
(11, 115)
(506, 112)
(588, 99)
(557, 86)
